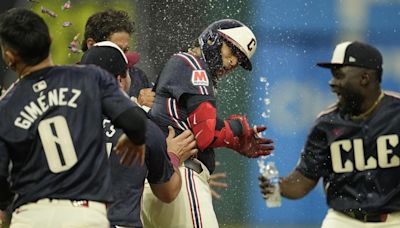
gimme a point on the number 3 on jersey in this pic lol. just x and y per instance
(57, 144)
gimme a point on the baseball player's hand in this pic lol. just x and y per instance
(146, 97)
(130, 153)
(214, 182)
(250, 143)
(183, 145)
(266, 187)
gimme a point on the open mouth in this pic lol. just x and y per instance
(339, 96)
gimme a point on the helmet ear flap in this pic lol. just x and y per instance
(212, 38)
(212, 51)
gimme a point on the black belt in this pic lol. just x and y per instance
(364, 216)
(193, 165)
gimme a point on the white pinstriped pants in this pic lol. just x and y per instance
(47, 213)
(192, 207)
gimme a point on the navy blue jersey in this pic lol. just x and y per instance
(127, 182)
(184, 74)
(139, 81)
(358, 161)
(52, 129)
(5, 193)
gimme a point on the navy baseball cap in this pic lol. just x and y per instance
(108, 56)
(355, 54)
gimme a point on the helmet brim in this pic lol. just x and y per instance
(329, 65)
(244, 61)
(246, 64)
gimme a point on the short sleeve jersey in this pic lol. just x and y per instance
(127, 181)
(52, 130)
(358, 161)
(183, 74)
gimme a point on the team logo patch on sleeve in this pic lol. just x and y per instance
(199, 78)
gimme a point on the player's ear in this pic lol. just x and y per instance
(119, 80)
(10, 58)
(90, 42)
(365, 78)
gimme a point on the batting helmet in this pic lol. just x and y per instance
(236, 33)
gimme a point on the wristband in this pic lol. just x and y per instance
(174, 159)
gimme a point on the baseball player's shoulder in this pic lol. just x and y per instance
(392, 95)
(5, 96)
(181, 64)
(77, 70)
(190, 60)
(95, 72)
(331, 109)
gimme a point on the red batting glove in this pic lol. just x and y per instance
(250, 143)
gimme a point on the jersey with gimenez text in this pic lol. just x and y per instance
(359, 161)
(51, 128)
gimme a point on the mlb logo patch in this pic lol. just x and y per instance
(39, 86)
(199, 78)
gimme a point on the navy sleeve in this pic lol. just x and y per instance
(315, 157)
(157, 161)
(133, 122)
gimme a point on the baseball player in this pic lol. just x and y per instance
(185, 99)
(51, 131)
(116, 26)
(353, 145)
(127, 182)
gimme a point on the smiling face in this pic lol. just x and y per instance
(346, 82)
(121, 39)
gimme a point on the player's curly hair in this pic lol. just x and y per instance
(100, 26)
(27, 34)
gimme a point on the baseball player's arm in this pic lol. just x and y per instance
(234, 133)
(312, 166)
(124, 114)
(179, 149)
(133, 123)
(294, 186)
(5, 191)
(168, 191)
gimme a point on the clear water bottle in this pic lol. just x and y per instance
(272, 174)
